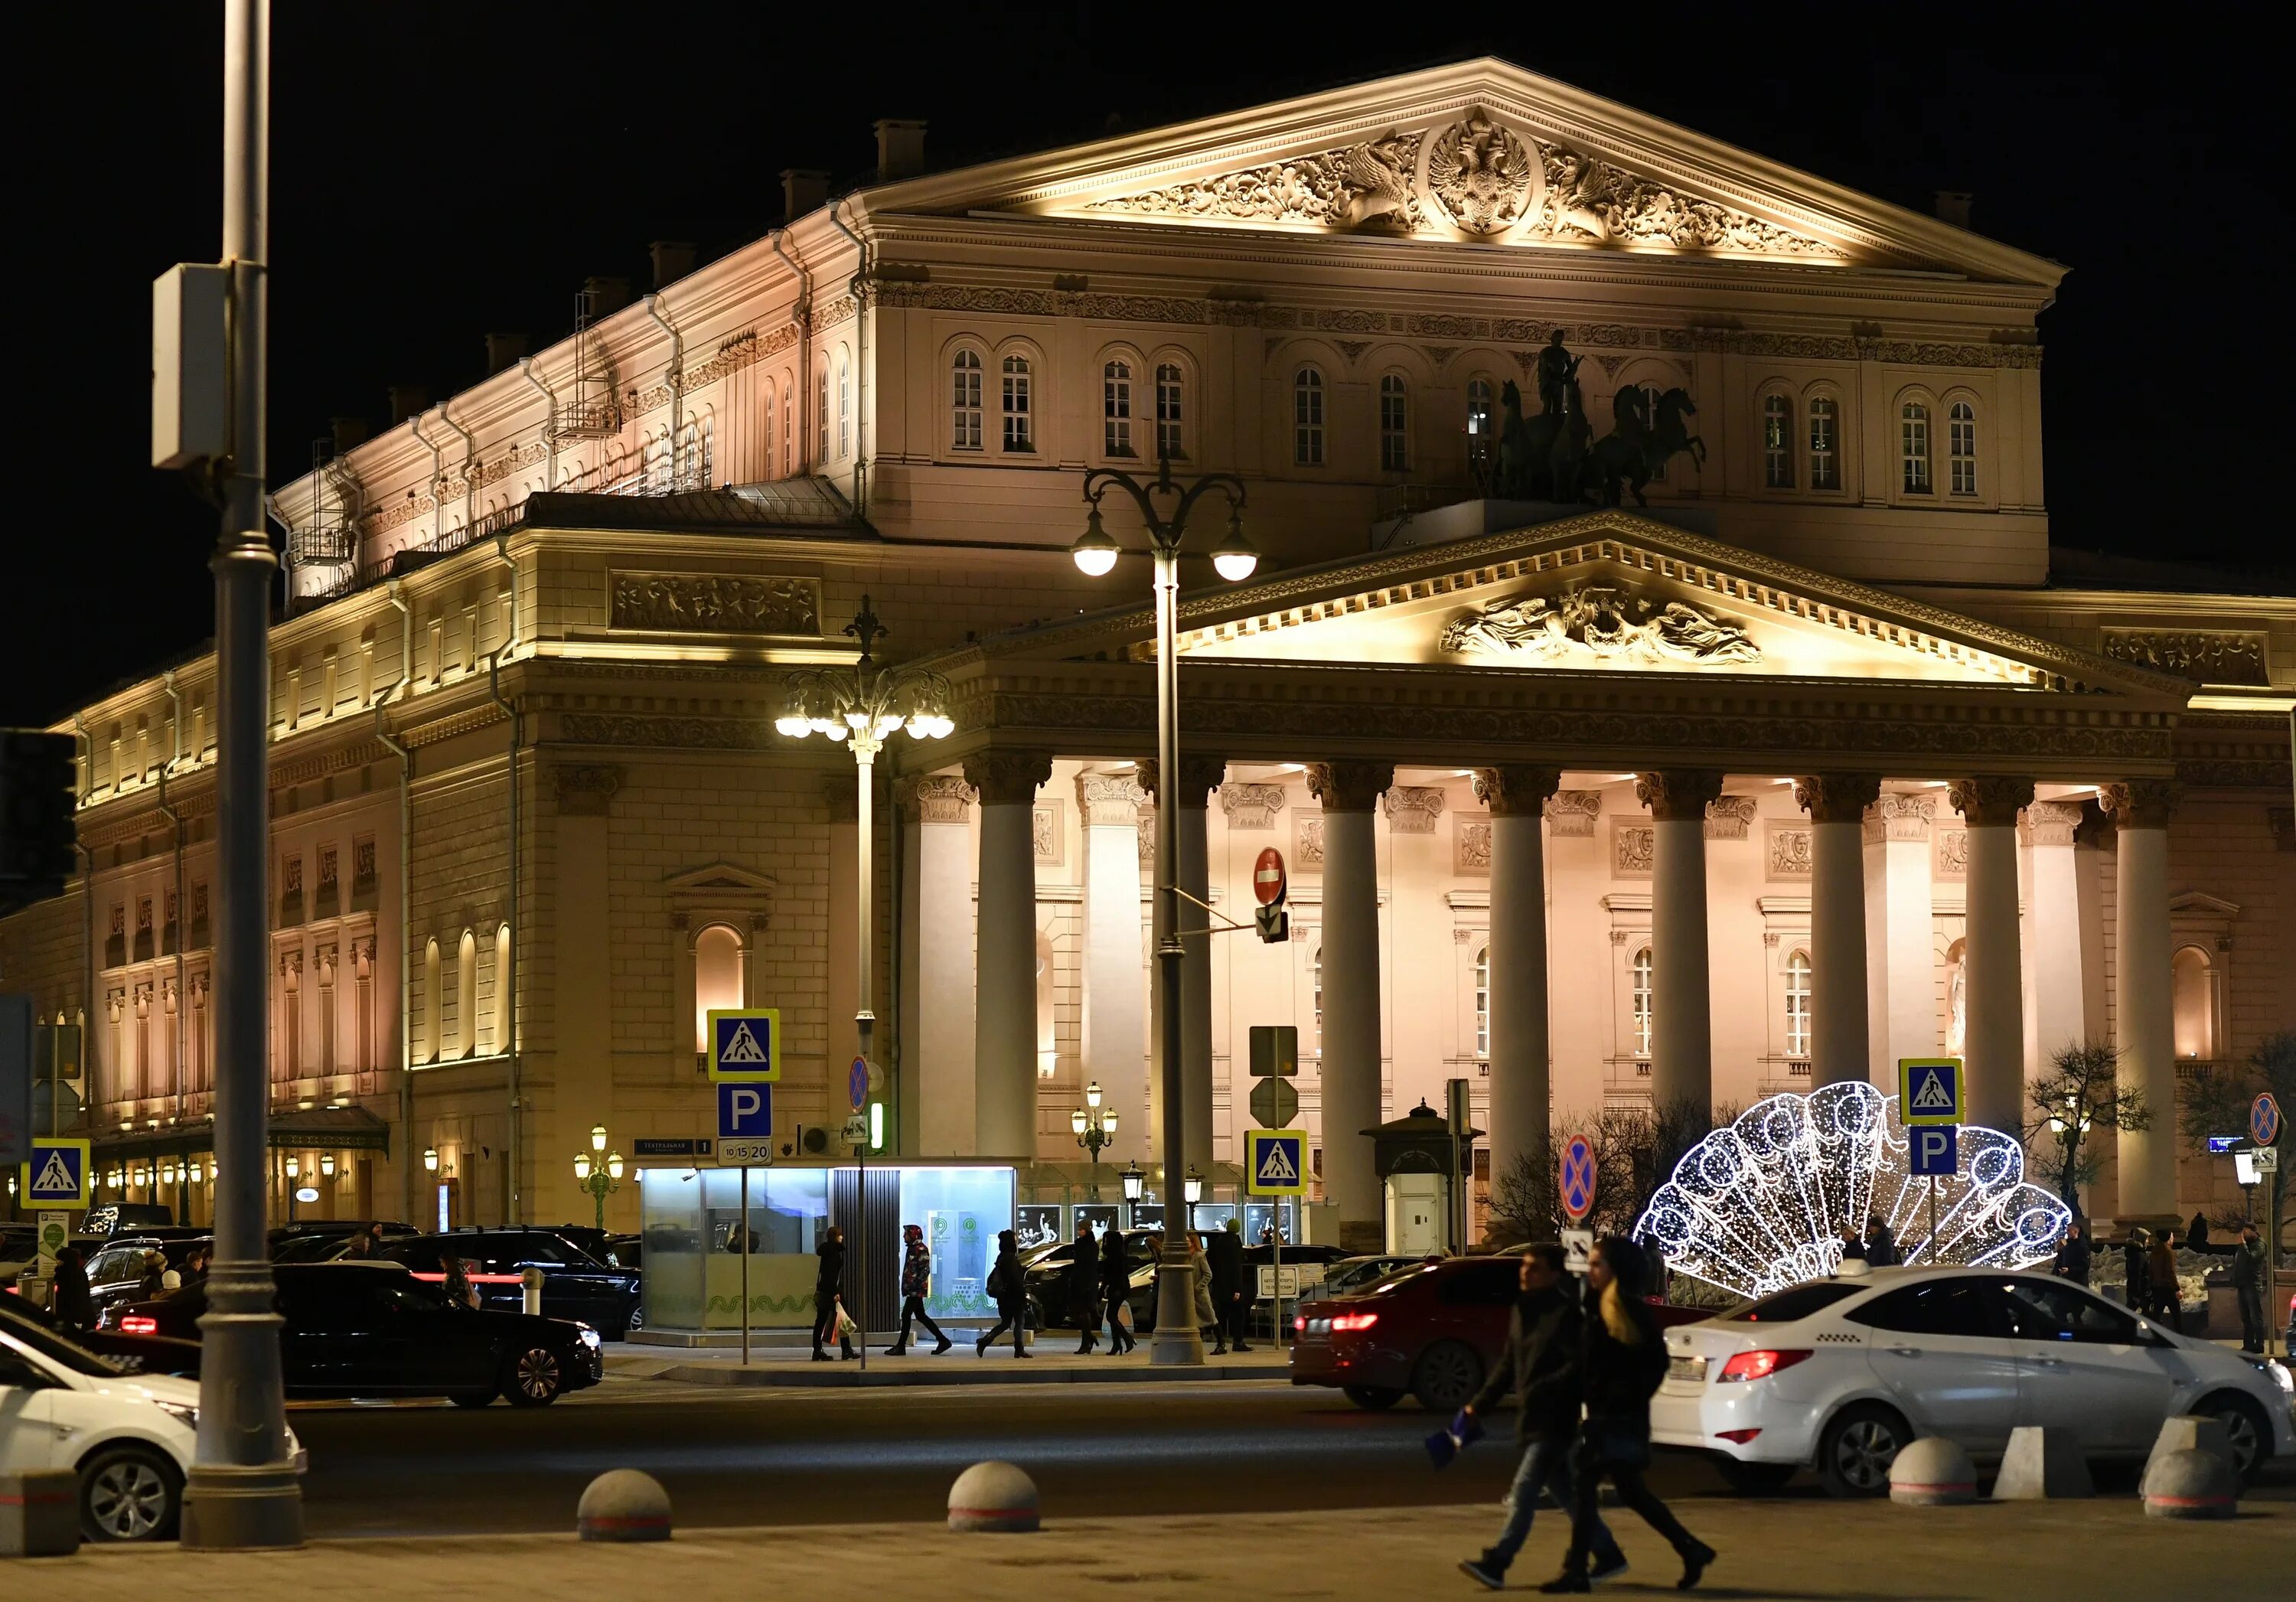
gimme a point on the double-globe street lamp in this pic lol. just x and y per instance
(1177, 1340)
(1096, 1127)
(598, 1172)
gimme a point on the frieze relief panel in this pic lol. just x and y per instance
(1471, 845)
(1597, 621)
(1633, 847)
(1786, 848)
(2203, 657)
(1307, 841)
(1952, 860)
(1046, 833)
(716, 603)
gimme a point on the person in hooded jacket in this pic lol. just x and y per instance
(2071, 1262)
(916, 1284)
(1225, 1250)
(73, 1303)
(1084, 1287)
(1621, 1365)
(1008, 1288)
(826, 1282)
(1116, 1289)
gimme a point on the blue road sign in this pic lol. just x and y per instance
(1277, 1160)
(1929, 1091)
(745, 1110)
(2221, 1144)
(1936, 1151)
(857, 1084)
(2264, 1120)
(57, 1175)
(745, 1045)
(1577, 1178)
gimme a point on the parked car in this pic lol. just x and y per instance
(1047, 1276)
(1351, 1275)
(114, 1273)
(322, 1240)
(374, 1329)
(1840, 1374)
(129, 1438)
(627, 1251)
(130, 1355)
(122, 1217)
(575, 1285)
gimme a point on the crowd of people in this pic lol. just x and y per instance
(2150, 1277)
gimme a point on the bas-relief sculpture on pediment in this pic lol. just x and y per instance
(1602, 622)
(1472, 177)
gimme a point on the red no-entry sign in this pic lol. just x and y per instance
(1268, 879)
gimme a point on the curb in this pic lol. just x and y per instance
(844, 1378)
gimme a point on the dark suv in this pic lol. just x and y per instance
(575, 1285)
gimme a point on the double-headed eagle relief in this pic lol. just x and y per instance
(1600, 621)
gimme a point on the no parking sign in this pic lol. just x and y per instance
(1576, 1180)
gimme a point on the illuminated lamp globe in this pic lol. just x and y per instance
(1193, 1188)
(1094, 551)
(1235, 558)
(1134, 1181)
(582, 1168)
(430, 1159)
(1076, 1121)
(597, 1136)
(327, 1165)
(614, 1165)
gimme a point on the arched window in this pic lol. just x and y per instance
(716, 977)
(1116, 409)
(1797, 1004)
(1307, 417)
(466, 996)
(1913, 447)
(704, 467)
(1170, 441)
(1394, 423)
(1777, 443)
(1642, 996)
(2194, 1010)
(498, 1023)
(789, 428)
(1484, 1001)
(1315, 996)
(1020, 434)
(769, 462)
(844, 405)
(1960, 445)
(434, 1001)
(1825, 443)
(964, 402)
(1482, 427)
(821, 417)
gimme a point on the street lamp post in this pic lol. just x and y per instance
(1177, 1340)
(598, 1172)
(1096, 1127)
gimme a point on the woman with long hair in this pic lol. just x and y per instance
(1624, 1362)
(1008, 1288)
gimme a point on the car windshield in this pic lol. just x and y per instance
(59, 1349)
(1786, 1306)
(1396, 1281)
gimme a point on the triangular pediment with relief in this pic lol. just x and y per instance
(1481, 151)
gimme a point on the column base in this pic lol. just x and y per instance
(1363, 1237)
(2122, 1223)
(229, 1507)
(1176, 1342)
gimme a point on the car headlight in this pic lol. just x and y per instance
(188, 1412)
(589, 1337)
(2282, 1377)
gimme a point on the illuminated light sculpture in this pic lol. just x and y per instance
(1762, 1204)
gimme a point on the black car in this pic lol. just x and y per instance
(1048, 1285)
(373, 1329)
(323, 1240)
(43, 1331)
(575, 1285)
(115, 1274)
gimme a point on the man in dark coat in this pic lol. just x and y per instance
(1225, 1250)
(2248, 1278)
(73, 1304)
(1008, 1288)
(2137, 1267)
(826, 1282)
(2072, 1255)
(1880, 1243)
(1084, 1288)
(1539, 1364)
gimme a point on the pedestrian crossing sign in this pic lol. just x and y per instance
(57, 1174)
(1929, 1091)
(745, 1045)
(1275, 1161)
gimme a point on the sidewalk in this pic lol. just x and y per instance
(1798, 1548)
(1051, 1361)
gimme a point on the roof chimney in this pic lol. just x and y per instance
(503, 351)
(900, 149)
(406, 400)
(348, 432)
(803, 189)
(606, 294)
(1953, 207)
(672, 260)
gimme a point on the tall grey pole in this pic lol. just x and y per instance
(241, 1491)
(1177, 1340)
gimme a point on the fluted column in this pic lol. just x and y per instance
(1352, 1101)
(2056, 1004)
(1115, 979)
(939, 1051)
(1839, 1041)
(1993, 1001)
(1199, 777)
(2142, 997)
(1682, 1018)
(1005, 956)
(1519, 1046)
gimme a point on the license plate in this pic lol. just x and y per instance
(1692, 1369)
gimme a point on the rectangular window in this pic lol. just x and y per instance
(1116, 409)
(1825, 448)
(1394, 425)
(964, 425)
(1307, 419)
(1169, 412)
(821, 417)
(1019, 432)
(1961, 434)
(1777, 443)
(844, 411)
(1914, 449)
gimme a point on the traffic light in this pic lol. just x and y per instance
(39, 790)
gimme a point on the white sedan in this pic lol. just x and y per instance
(130, 1437)
(1840, 1374)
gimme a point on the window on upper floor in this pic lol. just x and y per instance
(716, 977)
(1484, 1001)
(466, 996)
(434, 1003)
(1642, 1002)
(821, 417)
(1825, 443)
(1913, 449)
(965, 401)
(1394, 423)
(789, 428)
(1961, 447)
(1797, 1004)
(1171, 412)
(1116, 409)
(768, 435)
(1316, 997)
(1777, 443)
(844, 406)
(1307, 417)
(1482, 427)
(1020, 430)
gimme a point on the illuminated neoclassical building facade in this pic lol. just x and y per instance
(1819, 758)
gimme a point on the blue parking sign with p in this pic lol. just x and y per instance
(744, 1112)
(1935, 1151)
(745, 1045)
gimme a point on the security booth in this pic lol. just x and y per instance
(693, 1220)
(1419, 1158)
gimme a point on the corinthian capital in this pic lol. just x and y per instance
(1110, 800)
(1678, 795)
(1349, 786)
(1837, 797)
(1991, 802)
(1519, 790)
(2141, 803)
(1006, 778)
(1196, 777)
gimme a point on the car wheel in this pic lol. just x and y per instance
(130, 1493)
(470, 1399)
(1855, 1453)
(2245, 1425)
(1754, 1479)
(1375, 1397)
(1445, 1377)
(636, 1320)
(533, 1377)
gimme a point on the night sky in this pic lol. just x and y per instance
(442, 170)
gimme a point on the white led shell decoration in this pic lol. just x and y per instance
(1761, 1205)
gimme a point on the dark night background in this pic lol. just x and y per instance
(441, 171)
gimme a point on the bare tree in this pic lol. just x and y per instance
(2218, 1104)
(1635, 1152)
(2081, 1091)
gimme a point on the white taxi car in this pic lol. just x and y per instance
(1839, 1374)
(130, 1437)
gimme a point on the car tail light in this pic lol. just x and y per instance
(139, 1324)
(1299, 1325)
(1758, 1364)
(1345, 1323)
(1736, 1437)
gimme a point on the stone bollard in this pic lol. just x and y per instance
(2192, 1432)
(2190, 1483)
(1933, 1472)
(623, 1504)
(2042, 1464)
(992, 1497)
(39, 1513)
(531, 1280)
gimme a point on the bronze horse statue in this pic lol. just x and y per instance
(1554, 456)
(1643, 439)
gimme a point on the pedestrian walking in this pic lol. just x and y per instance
(1116, 1289)
(2137, 1268)
(1084, 1287)
(1207, 1318)
(1539, 1364)
(1853, 1244)
(459, 1290)
(1008, 1288)
(2072, 1255)
(1225, 1250)
(827, 1279)
(1880, 1243)
(916, 1284)
(2196, 1233)
(1622, 1362)
(2162, 1299)
(2248, 1282)
(71, 1298)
